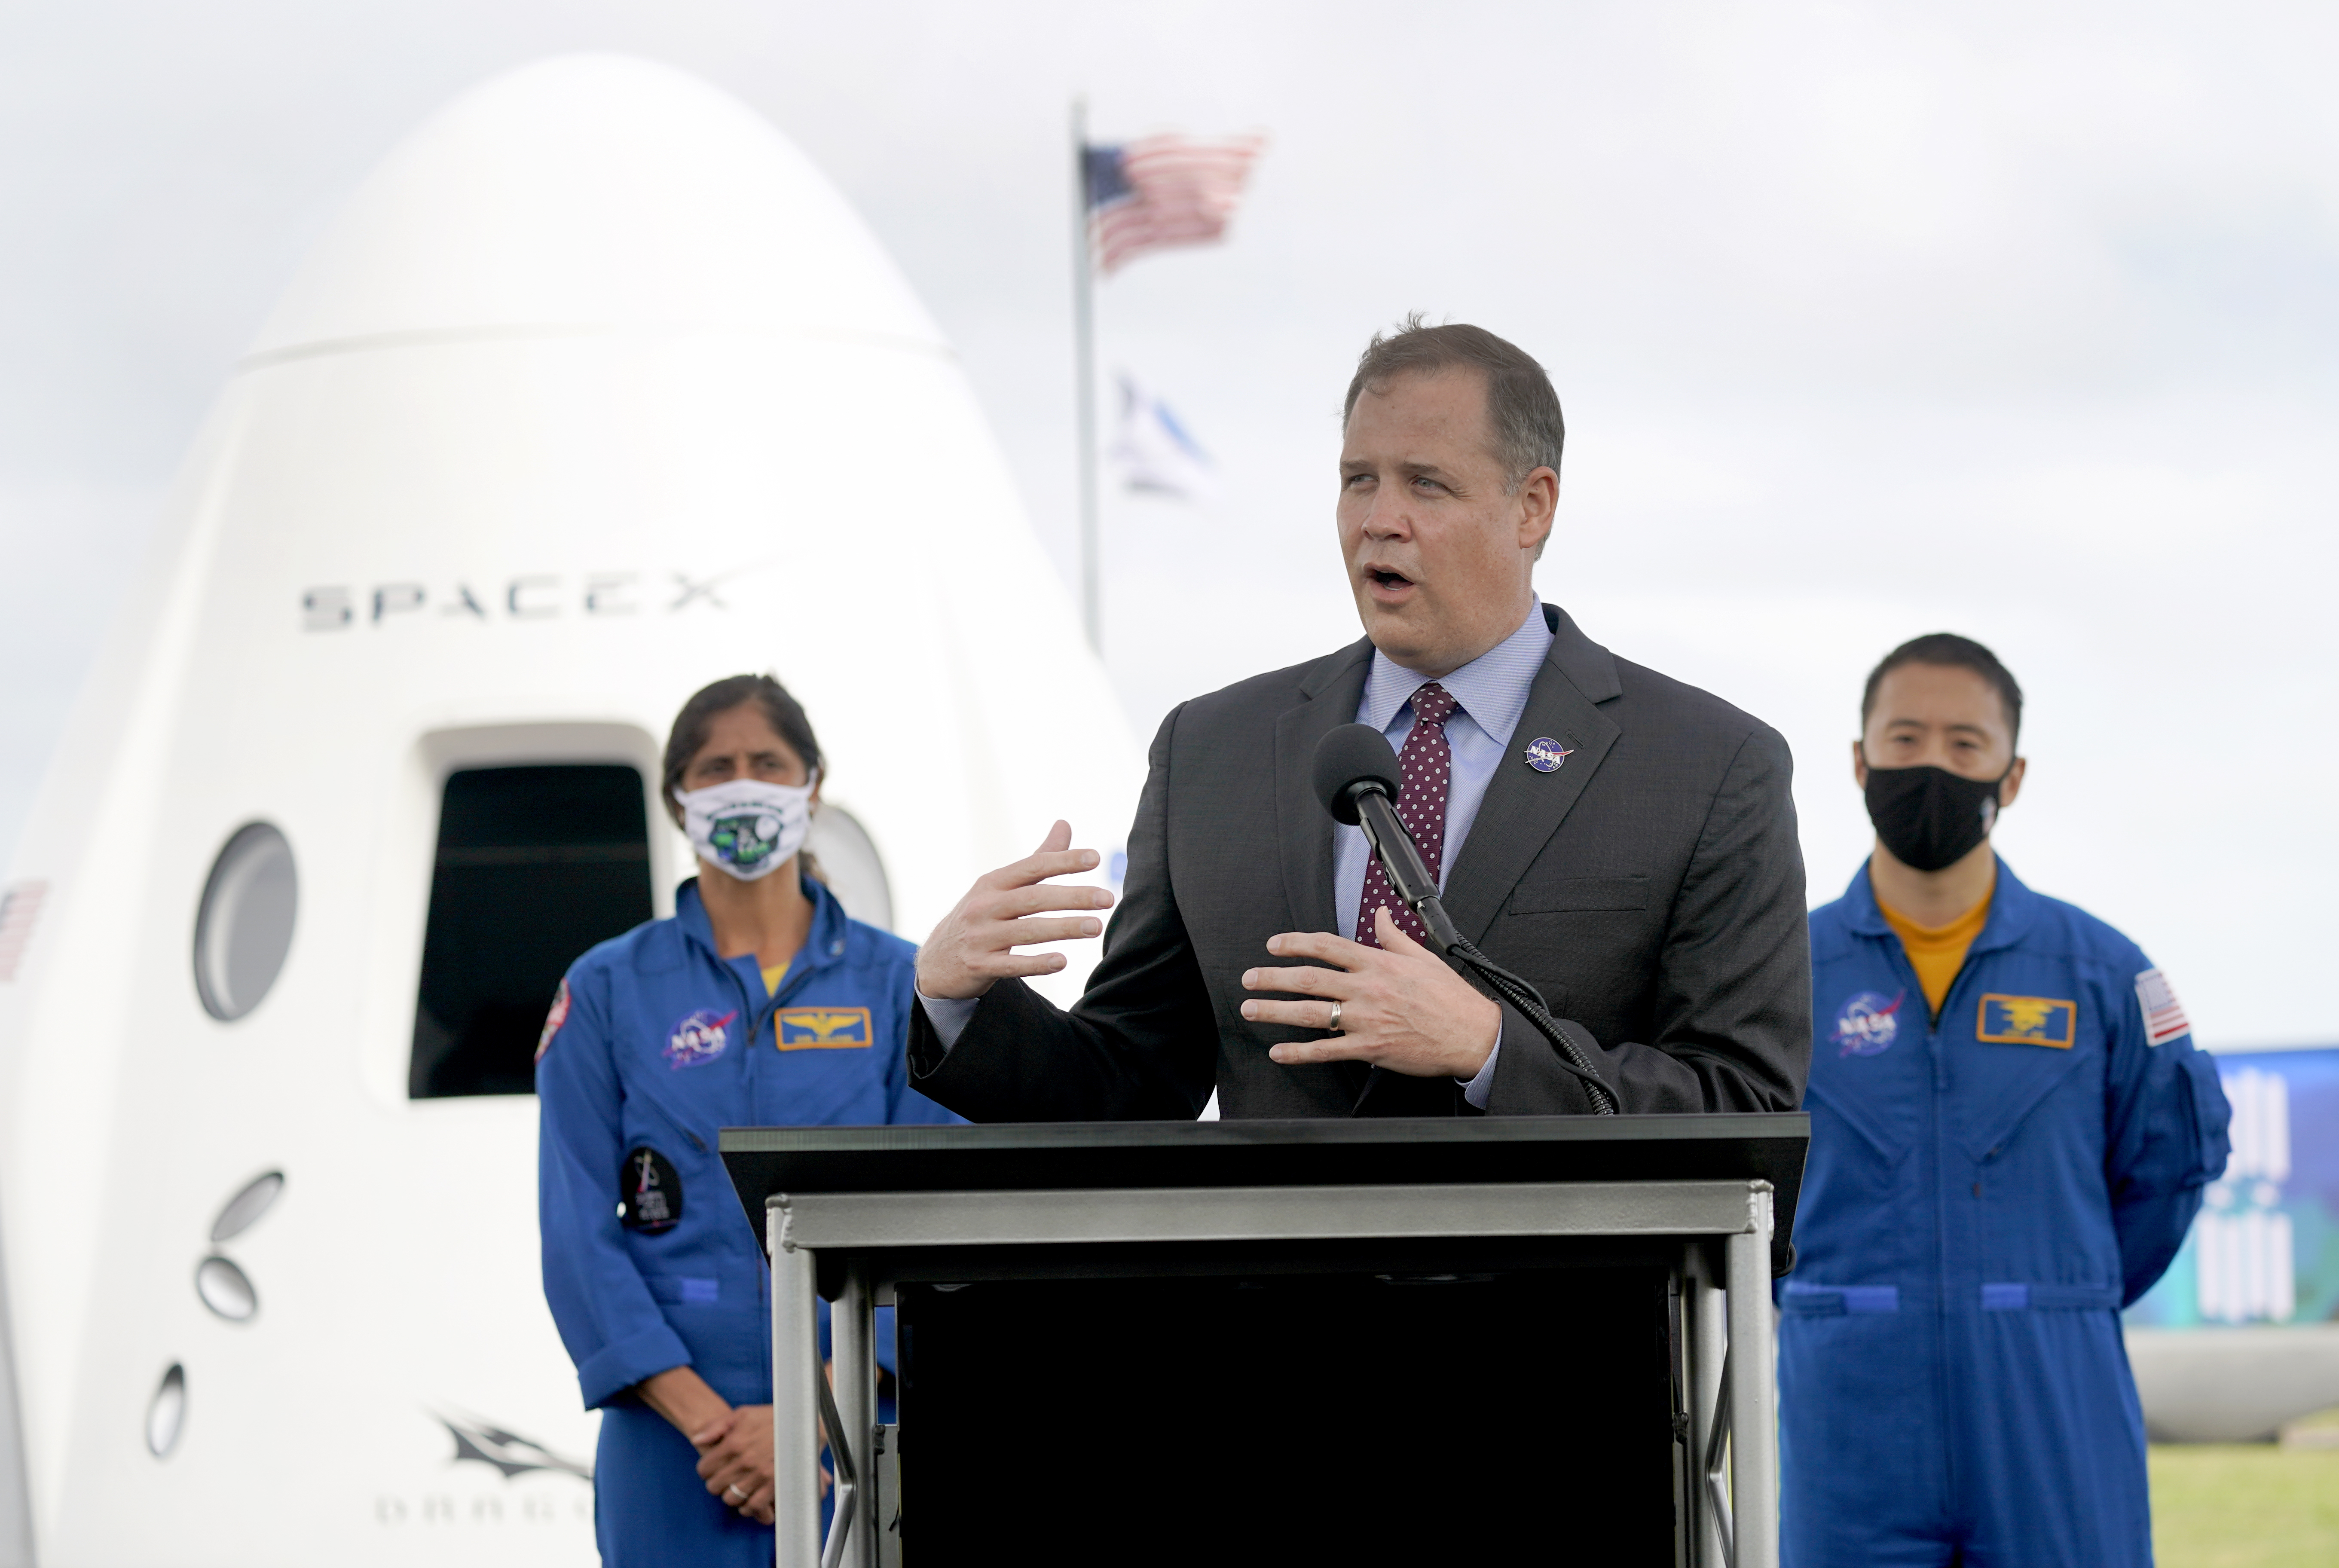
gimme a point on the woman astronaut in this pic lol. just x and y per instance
(759, 1003)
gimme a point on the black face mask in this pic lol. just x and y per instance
(1929, 817)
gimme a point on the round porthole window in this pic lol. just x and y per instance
(226, 1289)
(244, 927)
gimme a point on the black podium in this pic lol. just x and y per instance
(1515, 1339)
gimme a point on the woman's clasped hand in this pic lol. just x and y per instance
(734, 1460)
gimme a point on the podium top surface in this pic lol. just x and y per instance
(1097, 1155)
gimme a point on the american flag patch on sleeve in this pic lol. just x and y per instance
(2164, 1015)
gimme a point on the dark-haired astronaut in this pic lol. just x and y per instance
(2011, 1131)
(759, 1003)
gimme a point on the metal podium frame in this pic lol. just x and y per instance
(1724, 1269)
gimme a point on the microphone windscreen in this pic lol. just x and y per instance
(1347, 757)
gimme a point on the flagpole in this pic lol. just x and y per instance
(1084, 377)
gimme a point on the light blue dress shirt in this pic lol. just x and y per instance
(1493, 691)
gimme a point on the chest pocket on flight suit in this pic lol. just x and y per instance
(2023, 1048)
(1868, 1066)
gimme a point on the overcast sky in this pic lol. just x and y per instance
(1868, 321)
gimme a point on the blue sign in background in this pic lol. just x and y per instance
(2265, 1248)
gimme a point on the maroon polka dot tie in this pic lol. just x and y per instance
(1425, 775)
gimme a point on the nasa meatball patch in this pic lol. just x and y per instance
(649, 1192)
(698, 1038)
(553, 1020)
(1868, 1024)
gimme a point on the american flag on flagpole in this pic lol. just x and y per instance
(1158, 192)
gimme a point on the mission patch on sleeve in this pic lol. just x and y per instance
(649, 1191)
(553, 1020)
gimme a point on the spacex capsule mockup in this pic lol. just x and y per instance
(597, 391)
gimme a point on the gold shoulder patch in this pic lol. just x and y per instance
(2028, 1020)
(824, 1028)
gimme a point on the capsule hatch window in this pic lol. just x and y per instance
(535, 864)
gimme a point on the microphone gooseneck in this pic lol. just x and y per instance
(1357, 779)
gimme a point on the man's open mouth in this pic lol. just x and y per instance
(1383, 577)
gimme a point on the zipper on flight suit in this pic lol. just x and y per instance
(1940, 1303)
(1897, 956)
(790, 983)
(1935, 1049)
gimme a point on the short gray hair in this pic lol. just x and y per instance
(1521, 408)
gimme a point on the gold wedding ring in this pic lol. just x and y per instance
(1335, 1025)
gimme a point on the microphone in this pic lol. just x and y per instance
(1351, 760)
(1358, 780)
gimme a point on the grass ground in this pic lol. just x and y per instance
(2245, 1506)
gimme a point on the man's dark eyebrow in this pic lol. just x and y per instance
(1951, 729)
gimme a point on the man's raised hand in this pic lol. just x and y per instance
(974, 944)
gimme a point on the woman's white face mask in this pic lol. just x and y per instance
(747, 827)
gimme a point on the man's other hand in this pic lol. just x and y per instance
(1401, 1007)
(973, 946)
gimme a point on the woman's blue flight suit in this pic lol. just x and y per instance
(655, 1044)
(1984, 1194)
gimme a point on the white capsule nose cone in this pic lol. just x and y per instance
(594, 194)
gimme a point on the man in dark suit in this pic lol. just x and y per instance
(1624, 842)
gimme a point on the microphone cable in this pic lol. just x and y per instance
(1524, 999)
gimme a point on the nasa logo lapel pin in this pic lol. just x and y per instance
(1545, 754)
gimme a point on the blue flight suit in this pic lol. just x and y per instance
(655, 1044)
(1985, 1192)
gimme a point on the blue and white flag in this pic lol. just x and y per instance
(1155, 453)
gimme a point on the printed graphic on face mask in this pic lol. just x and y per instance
(745, 838)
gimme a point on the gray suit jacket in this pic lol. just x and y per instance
(1651, 889)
